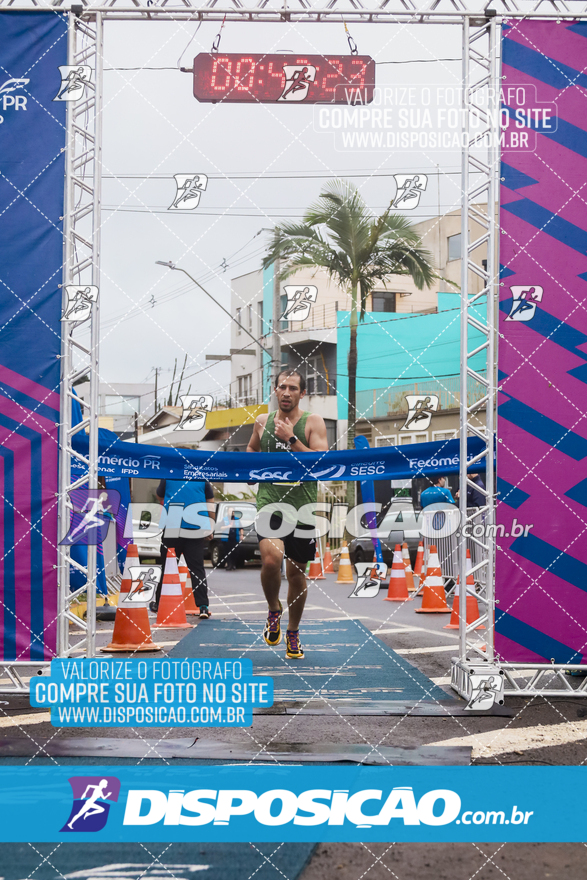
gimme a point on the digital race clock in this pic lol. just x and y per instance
(284, 79)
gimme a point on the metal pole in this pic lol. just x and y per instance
(276, 339)
(95, 336)
(462, 591)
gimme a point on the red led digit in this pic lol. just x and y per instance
(225, 65)
(279, 73)
(336, 73)
(360, 73)
(241, 85)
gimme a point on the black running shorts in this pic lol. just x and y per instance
(300, 550)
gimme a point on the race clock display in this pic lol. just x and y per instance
(284, 78)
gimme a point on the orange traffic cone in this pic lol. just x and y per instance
(189, 603)
(398, 589)
(315, 573)
(472, 604)
(171, 613)
(345, 569)
(131, 625)
(419, 564)
(328, 566)
(434, 597)
(408, 568)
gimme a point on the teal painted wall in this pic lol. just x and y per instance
(267, 328)
(395, 348)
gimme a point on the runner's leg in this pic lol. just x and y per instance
(271, 558)
(297, 592)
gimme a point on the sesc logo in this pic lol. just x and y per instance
(90, 808)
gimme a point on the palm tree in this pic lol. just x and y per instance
(358, 251)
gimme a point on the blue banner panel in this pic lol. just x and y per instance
(32, 143)
(122, 459)
(319, 803)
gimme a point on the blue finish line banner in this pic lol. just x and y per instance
(118, 458)
(319, 803)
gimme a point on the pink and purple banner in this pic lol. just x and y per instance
(541, 565)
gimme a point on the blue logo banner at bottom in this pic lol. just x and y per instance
(294, 803)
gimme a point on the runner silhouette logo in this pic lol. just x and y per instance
(91, 796)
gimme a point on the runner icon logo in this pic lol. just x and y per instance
(300, 298)
(90, 808)
(369, 578)
(195, 409)
(189, 190)
(79, 303)
(93, 511)
(298, 80)
(524, 299)
(420, 410)
(409, 190)
(73, 82)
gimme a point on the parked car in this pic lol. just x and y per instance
(244, 513)
(147, 535)
(401, 522)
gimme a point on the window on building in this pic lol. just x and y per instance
(283, 325)
(404, 439)
(315, 378)
(121, 405)
(260, 317)
(239, 313)
(386, 440)
(245, 388)
(444, 435)
(454, 247)
(383, 301)
(250, 317)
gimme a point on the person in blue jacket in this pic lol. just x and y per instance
(198, 492)
(438, 491)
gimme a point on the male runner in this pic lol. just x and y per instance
(288, 429)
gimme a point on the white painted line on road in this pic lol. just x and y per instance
(230, 595)
(249, 602)
(16, 720)
(409, 629)
(519, 739)
(425, 650)
(445, 679)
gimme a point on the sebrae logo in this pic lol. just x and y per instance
(90, 808)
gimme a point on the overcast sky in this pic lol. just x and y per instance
(154, 128)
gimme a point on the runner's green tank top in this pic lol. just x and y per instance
(296, 494)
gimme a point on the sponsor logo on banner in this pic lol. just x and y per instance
(298, 79)
(300, 299)
(409, 190)
(91, 796)
(152, 461)
(195, 409)
(74, 79)
(270, 475)
(189, 189)
(420, 410)
(93, 511)
(7, 97)
(79, 303)
(524, 299)
(331, 473)
(369, 578)
(144, 583)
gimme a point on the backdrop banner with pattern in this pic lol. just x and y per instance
(32, 142)
(541, 579)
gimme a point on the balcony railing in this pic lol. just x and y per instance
(381, 402)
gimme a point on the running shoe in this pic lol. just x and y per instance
(272, 631)
(204, 613)
(293, 648)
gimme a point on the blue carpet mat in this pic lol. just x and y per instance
(133, 861)
(343, 661)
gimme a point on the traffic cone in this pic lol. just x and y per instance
(433, 597)
(408, 568)
(171, 613)
(328, 566)
(419, 564)
(345, 569)
(472, 604)
(189, 603)
(398, 589)
(316, 567)
(132, 631)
